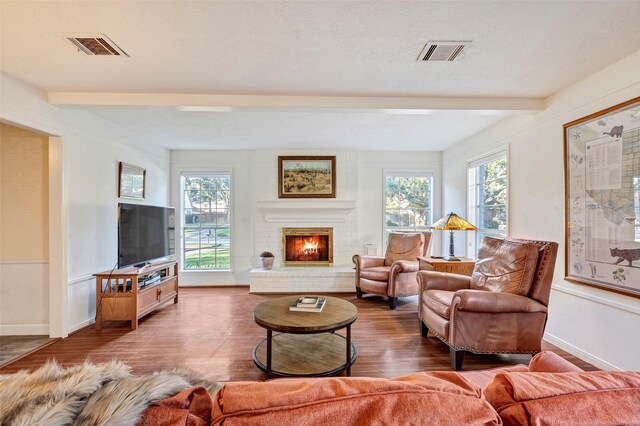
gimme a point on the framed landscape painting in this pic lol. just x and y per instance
(306, 177)
(602, 199)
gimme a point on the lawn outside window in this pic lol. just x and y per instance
(206, 218)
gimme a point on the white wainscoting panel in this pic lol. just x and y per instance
(24, 297)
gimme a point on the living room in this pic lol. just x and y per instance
(229, 87)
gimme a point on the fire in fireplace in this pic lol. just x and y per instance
(307, 246)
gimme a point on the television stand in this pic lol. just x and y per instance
(122, 294)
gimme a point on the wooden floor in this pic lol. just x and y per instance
(13, 347)
(211, 331)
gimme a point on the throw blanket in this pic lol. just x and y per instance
(87, 394)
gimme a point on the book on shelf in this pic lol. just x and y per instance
(308, 304)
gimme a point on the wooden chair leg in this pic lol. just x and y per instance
(393, 302)
(358, 293)
(457, 357)
(424, 330)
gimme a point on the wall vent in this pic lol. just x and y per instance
(96, 44)
(443, 51)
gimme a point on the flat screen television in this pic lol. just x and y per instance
(145, 233)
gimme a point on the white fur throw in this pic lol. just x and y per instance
(86, 394)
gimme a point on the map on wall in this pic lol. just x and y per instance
(602, 194)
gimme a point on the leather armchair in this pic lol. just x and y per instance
(393, 275)
(501, 308)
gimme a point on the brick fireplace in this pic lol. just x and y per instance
(333, 220)
(307, 246)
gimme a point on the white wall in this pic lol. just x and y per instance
(255, 180)
(373, 165)
(241, 166)
(91, 160)
(268, 234)
(599, 326)
(91, 150)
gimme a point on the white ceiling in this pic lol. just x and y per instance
(313, 48)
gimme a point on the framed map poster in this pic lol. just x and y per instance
(602, 199)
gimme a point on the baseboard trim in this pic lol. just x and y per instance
(24, 329)
(210, 285)
(81, 325)
(78, 280)
(575, 351)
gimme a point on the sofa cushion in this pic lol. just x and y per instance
(505, 266)
(587, 398)
(482, 378)
(377, 273)
(404, 246)
(439, 301)
(420, 398)
(550, 362)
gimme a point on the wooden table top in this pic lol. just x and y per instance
(275, 315)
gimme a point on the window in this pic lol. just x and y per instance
(488, 197)
(206, 215)
(408, 202)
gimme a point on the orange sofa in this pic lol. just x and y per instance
(549, 391)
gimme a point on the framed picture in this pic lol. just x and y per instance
(131, 181)
(306, 177)
(602, 199)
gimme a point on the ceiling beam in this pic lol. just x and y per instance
(382, 104)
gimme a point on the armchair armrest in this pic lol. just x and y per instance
(362, 262)
(432, 280)
(404, 266)
(487, 301)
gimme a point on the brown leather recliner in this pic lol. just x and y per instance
(501, 308)
(393, 275)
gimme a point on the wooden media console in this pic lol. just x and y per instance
(118, 296)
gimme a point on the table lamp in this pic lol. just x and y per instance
(453, 222)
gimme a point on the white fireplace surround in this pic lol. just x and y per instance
(273, 215)
(316, 279)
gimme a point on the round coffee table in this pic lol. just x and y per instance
(306, 344)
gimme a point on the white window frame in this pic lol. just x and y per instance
(473, 240)
(404, 173)
(209, 173)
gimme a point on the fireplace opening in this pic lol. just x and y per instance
(307, 246)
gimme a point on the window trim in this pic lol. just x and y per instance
(207, 173)
(405, 173)
(474, 162)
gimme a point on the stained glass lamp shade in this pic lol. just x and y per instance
(453, 222)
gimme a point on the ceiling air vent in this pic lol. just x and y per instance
(96, 44)
(442, 50)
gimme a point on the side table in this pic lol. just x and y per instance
(461, 267)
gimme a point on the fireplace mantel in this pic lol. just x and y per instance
(319, 211)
